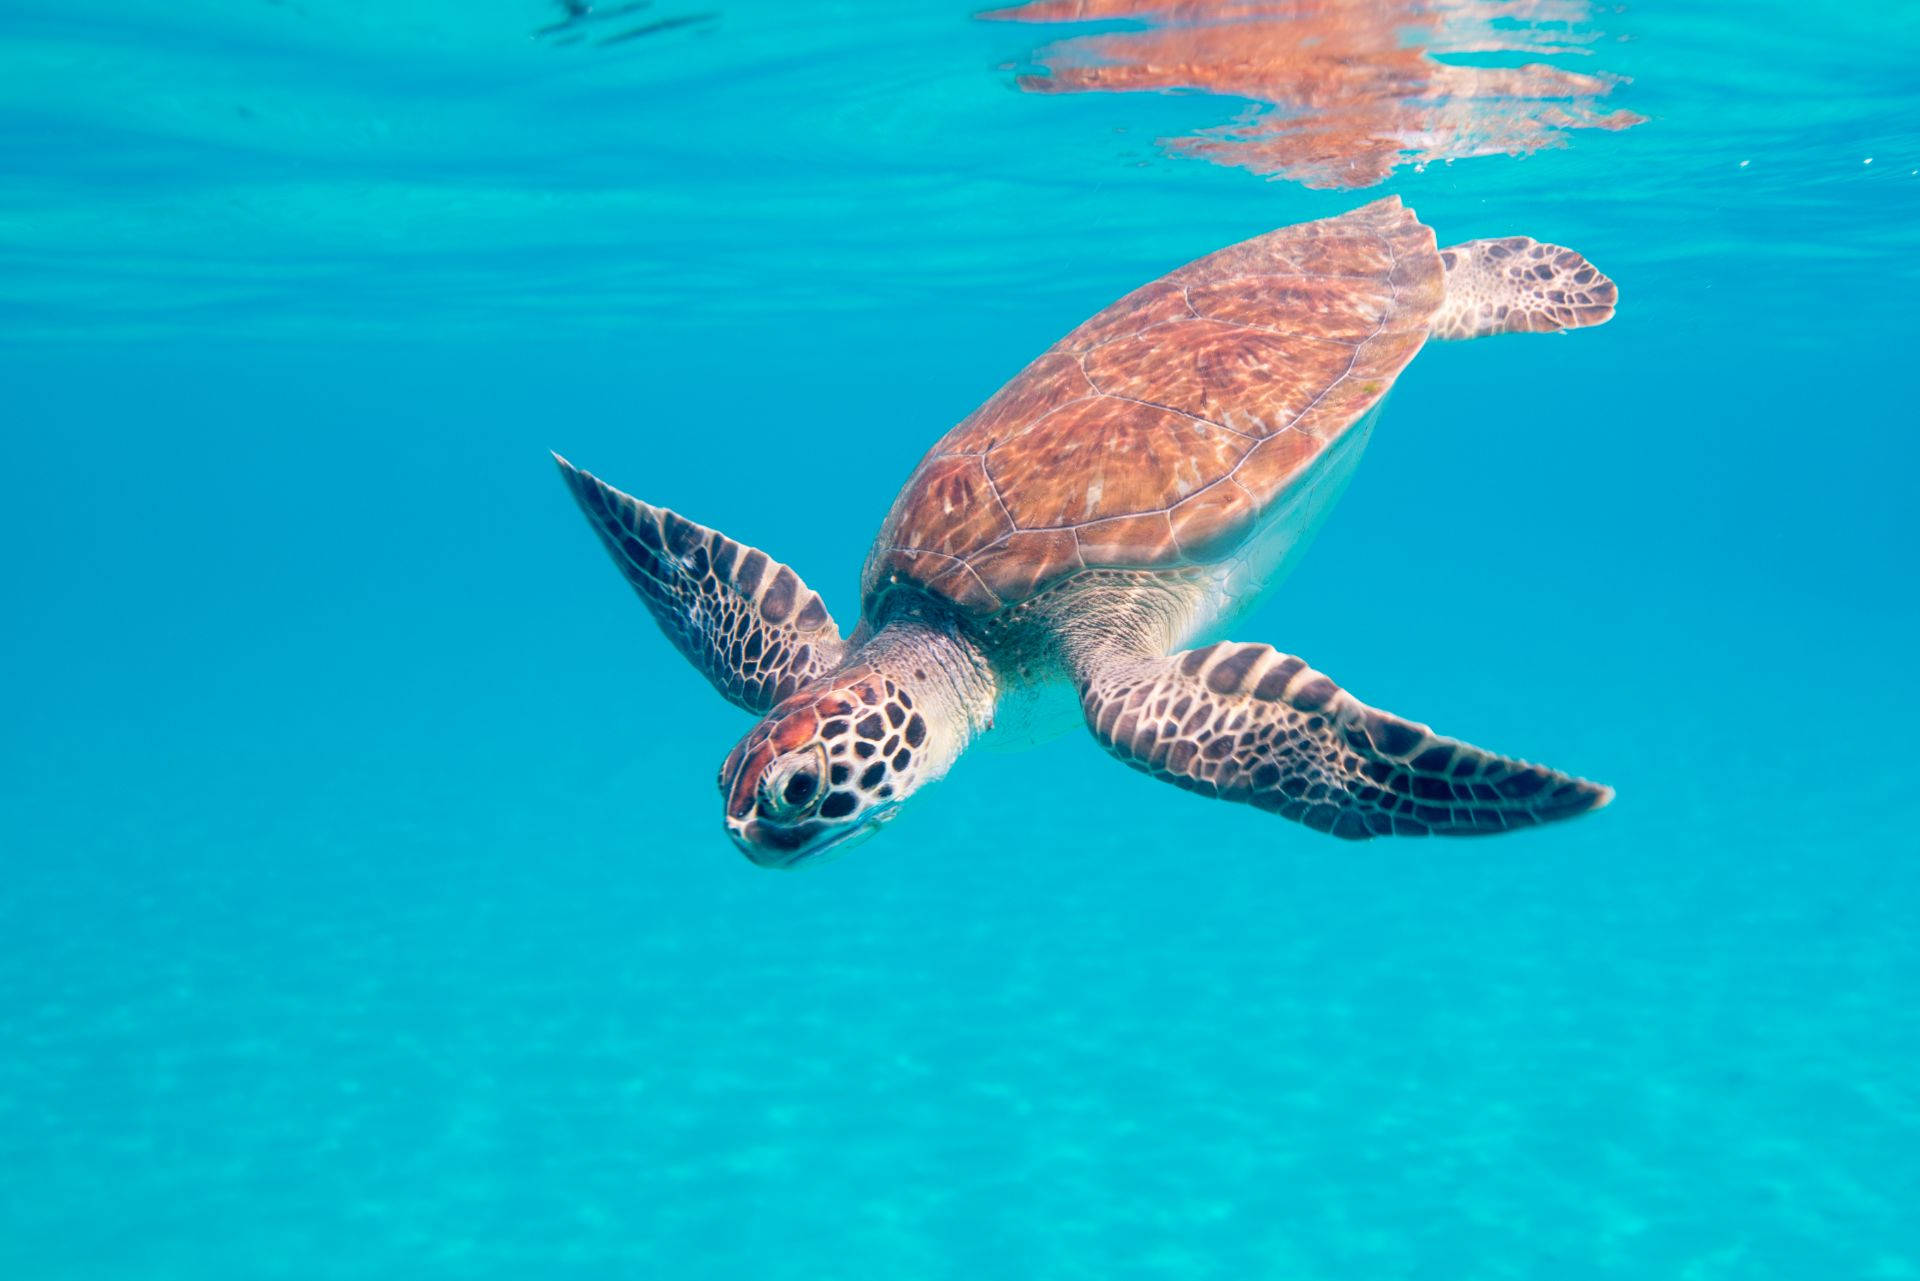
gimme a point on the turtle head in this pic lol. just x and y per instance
(824, 768)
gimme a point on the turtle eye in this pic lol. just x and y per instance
(800, 787)
(791, 788)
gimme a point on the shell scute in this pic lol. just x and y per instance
(1159, 431)
(1253, 382)
(1210, 523)
(1053, 382)
(1332, 310)
(1148, 306)
(1277, 459)
(1123, 458)
(962, 584)
(1368, 257)
(1353, 245)
(1146, 539)
(955, 511)
(1374, 367)
(1028, 562)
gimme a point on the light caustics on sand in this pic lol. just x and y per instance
(1349, 89)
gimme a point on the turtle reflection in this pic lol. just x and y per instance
(1351, 88)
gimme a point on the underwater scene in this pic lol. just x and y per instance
(369, 909)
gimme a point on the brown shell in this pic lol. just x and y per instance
(1157, 432)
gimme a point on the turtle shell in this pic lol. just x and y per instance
(1158, 432)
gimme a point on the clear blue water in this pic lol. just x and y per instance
(365, 911)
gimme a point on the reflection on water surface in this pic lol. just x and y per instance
(1347, 91)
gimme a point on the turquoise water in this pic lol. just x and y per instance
(366, 911)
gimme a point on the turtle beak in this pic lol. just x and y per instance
(771, 845)
(841, 841)
(768, 844)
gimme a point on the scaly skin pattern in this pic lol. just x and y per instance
(1516, 285)
(747, 622)
(867, 732)
(1244, 722)
(839, 756)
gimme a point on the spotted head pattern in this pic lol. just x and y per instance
(825, 766)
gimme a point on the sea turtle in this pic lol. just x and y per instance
(1127, 495)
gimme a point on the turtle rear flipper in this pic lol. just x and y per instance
(1248, 723)
(1516, 285)
(744, 619)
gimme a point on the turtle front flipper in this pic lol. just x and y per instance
(1248, 723)
(1516, 285)
(742, 618)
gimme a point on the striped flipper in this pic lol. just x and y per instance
(1248, 723)
(745, 620)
